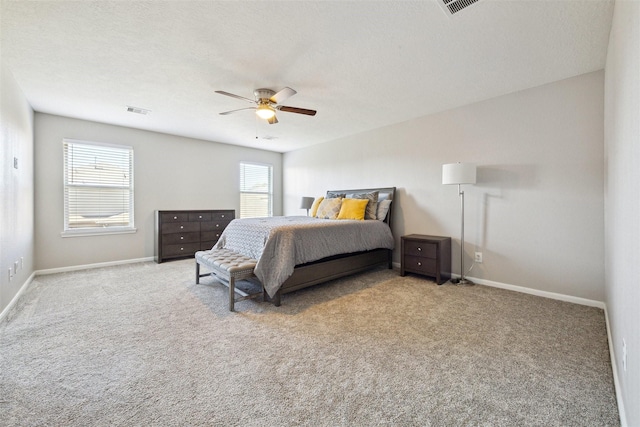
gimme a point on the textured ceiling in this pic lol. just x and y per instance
(360, 64)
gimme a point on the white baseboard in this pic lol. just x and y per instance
(614, 368)
(17, 296)
(537, 292)
(89, 266)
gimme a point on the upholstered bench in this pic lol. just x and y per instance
(228, 266)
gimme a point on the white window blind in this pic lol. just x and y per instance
(98, 188)
(256, 190)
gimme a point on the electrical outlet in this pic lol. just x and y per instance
(478, 257)
(15, 163)
(624, 355)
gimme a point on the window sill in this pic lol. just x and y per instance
(86, 232)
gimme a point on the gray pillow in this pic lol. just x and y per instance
(335, 195)
(372, 206)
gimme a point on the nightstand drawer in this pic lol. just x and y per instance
(180, 238)
(420, 265)
(420, 249)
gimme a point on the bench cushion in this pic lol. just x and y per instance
(227, 262)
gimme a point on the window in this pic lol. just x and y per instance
(98, 188)
(256, 190)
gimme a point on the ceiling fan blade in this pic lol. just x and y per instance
(283, 94)
(221, 92)
(297, 110)
(239, 109)
(273, 120)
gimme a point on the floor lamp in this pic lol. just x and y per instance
(458, 174)
(306, 203)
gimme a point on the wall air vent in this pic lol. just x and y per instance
(451, 7)
(138, 110)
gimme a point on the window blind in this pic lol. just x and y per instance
(98, 187)
(256, 191)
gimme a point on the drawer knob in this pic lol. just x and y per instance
(419, 249)
(182, 249)
(181, 238)
(419, 263)
(222, 215)
(217, 225)
(181, 227)
(175, 217)
(200, 216)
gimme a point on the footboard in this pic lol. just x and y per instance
(333, 268)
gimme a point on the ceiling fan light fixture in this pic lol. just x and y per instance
(265, 112)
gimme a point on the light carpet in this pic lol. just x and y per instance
(141, 344)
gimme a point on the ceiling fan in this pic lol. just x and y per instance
(267, 102)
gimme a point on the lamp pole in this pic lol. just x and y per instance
(463, 280)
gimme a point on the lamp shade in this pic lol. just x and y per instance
(459, 173)
(306, 202)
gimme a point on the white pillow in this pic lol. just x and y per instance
(383, 209)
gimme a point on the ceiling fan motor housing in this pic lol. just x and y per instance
(263, 94)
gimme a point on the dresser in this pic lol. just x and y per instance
(426, 255)
(180, 234)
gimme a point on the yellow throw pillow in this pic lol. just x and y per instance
(314, 207)
(353, 209)
(329, 208)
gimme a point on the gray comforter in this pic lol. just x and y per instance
(281, 243)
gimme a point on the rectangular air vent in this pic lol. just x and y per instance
(138, 110)
(451, 7)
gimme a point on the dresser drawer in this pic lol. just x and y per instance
(227, 216)
(420, 265)
(174, 217)
(208, 236)
(200, 216)
(182, 227)
(420, 249)
(180, 238)
(214, 225)
(205, 246)
(187, 249)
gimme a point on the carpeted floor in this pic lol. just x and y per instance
(141, 344)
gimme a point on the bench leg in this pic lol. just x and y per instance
(232, 293)
(197, 273)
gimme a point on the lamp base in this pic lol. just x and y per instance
(462, 281)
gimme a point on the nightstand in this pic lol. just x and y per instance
(426, 255)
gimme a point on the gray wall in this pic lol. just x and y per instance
(16, 187)
(536, 212)
(622, 199)
(170, 172)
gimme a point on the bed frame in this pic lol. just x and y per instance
(330, 268)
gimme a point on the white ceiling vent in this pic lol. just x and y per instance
(451, 7)
(138, 110)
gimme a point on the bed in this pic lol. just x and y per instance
(293, 253)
